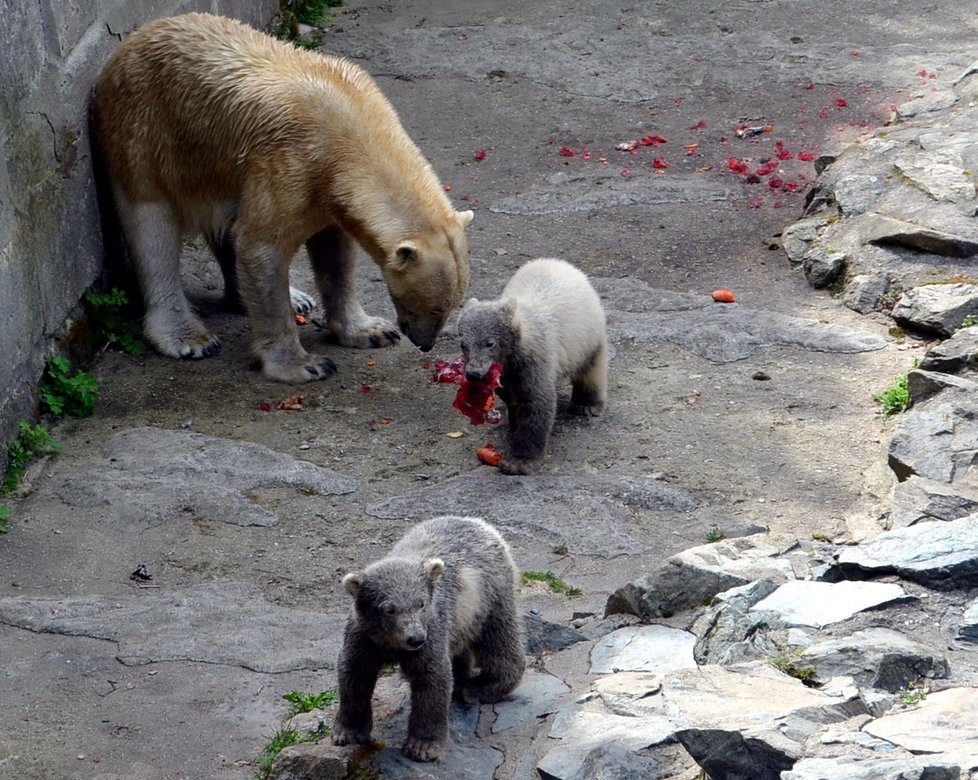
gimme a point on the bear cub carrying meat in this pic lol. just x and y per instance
(205, 125)
(547, 326)
(442, 605)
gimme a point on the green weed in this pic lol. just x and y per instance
(286, 736)
(968, 321)
(65, 392)
(4, 517)
(714, 534)
(552, 581)
(115, 321)
(896, 398)
(313, 13)
(788, 663)
(912, 695)
(31, 442)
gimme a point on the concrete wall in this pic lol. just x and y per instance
(50, 246)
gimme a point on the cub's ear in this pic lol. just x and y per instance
(464, 218)
(433, 567)
(405, 254)
(352, 582)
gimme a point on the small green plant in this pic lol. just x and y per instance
(968, 321)
(4, 517)
(287, 736)
(313, 13)
(714, 534)
(307, 702)
(552, 581)
(115, 321)
(912, 695)
(896, 398)
(788, 663)
(64, 392)
(31, 441)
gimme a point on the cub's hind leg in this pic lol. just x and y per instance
(153, 237)
(589, 387)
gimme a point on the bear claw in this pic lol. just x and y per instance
(423, 749)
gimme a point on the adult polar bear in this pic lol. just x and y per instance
(206, 125)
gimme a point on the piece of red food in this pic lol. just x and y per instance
(476, 399)
(724, 296)
(480, 155)
(449, 372)
(489, 455)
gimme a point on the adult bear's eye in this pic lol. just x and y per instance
(490, 344)
(389, 609)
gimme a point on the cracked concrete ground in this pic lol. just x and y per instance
(757, 413)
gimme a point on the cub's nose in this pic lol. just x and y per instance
(414, 641)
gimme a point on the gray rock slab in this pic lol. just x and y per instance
(653, 648)
(216, 622)
(876, 658)
(610, 762)
(968, 627)
(534, 698)
(955, 354)
(629, 693)
(149, 475)
(935, 553)
(859, 768)
(538, 507)
(937, 308)
(943, 723)
(728, 621)
(939, 175)
(918, 499)
(544, 636)
(694, 576)
(926, 103)
(798, 237)
(925, 384)
(938, 439)
(817, 604)
(865, 292)
(824, 264)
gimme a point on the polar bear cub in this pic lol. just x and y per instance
(547, 326)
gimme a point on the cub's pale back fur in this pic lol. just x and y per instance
(206, 125)
(442, 606)
(546, 327)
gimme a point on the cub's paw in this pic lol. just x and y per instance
(302, 302)
(418, 749)
(520, 466)
(343, 735)
(311, 369)
(366, 333)
(587, 410)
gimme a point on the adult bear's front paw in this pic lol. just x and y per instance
(345, 735)
(423, 749)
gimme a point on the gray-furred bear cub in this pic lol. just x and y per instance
(547, 326)
(441, 605)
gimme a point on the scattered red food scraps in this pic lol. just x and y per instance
(854, 52)
(264, 406)
(724, 141)
(922, 73)
(737, 166)
(756, 202)
(701, 125)
(806, 156)
(810, 85)
(781, 152)
(690, 149)
(659, 164)
(294, 403)
(300, 319)
(602, 159)
(384, 420)
(841, 102)
(489, 455)
(447, 188)
(475, 399)
(766, 168)
(775, 183)
(566, 151)
(723, 296)
(625, 146)
(480, 155)
(365, 389)
(652, 140)
(372, 363)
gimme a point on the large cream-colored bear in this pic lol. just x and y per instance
(206, 125)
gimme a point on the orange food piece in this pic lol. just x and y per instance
(489, 455)
(300, 319)
(724, 296)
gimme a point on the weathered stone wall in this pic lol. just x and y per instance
(50, 246)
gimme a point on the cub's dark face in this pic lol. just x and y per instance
(487, 334)
(393, 602)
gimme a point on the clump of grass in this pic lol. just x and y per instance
(788, 663)
(32, 441)
(912, 695)
(4, 517)
(312, 13)
(114, 321)
(67, 392)
(968, 321)
(286, 735)
(714, 534)
(896, 398)
(552, 581)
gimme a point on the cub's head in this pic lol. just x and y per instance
(427, 276)
(489, 332)
(393, 599)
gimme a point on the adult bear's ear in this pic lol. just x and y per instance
(465, 217)
(353, 582)
(405, 254)
(433, 567)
